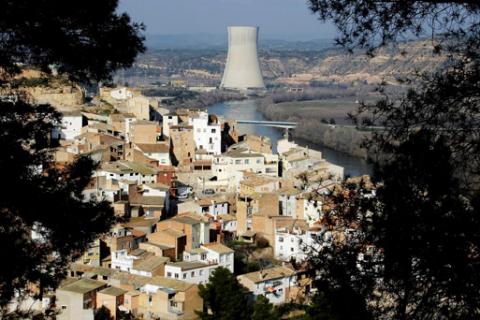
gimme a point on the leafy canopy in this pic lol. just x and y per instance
(85, 40)
(419, 238)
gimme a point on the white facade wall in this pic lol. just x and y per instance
(130, 177)
(211, 260)
(141, 273)
(288, 205)
(223, 259)
(197, 275)
(225, 167)
(121, 260)
(206, 136)
(230, 226)
(215, 209)
(167, 122)
(121, 94)
(162, 158)
(281, 285)
(70, 127)
(295, 245)
(128, 122)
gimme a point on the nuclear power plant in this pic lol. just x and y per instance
(242, 69)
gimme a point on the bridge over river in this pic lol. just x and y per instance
(276, 124)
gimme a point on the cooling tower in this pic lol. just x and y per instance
(242, 70)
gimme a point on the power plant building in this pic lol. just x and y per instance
(242, 69)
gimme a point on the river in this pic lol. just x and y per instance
(247, 110)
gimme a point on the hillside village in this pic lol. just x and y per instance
(190, 192)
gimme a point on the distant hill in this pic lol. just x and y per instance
(200, 59)
(220, 42)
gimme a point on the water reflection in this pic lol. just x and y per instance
(247, 110)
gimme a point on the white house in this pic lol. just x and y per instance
(70, 127)
(274, 283)
(228, 223)
(198, 264)
(213, 206)
(122, 260)
(206, 132)
(192, 272)
(129, 120)
(168, 120)
(123, 170)
(121, 94)
(148, 266)
(296, 243)
(156, 151)
(156, 190)
(226, 165)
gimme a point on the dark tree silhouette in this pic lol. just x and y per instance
(224, 297)
(41, 198)
(264, 310)
(85, 40)
(103, 313)
(420, 236)
(372, 23)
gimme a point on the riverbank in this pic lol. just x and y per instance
(322, 122)
(248, 110)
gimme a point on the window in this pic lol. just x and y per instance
(169, 274)
(259, 161)
(64, 307)
(247, 161)
(280, 239)
(200, 272)
(214, 130)
(238, 161)
(193, 274)
(291, 249)
(176, 275)
(184, 276)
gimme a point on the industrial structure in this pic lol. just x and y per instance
(242, 69)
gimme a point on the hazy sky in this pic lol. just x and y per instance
(276, 18)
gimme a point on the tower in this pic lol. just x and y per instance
(242, 69)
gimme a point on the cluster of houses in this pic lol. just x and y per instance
(187, 183)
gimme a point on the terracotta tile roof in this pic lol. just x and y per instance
(153, 147)
(268, 274)
(113, 291)
(218, 247)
